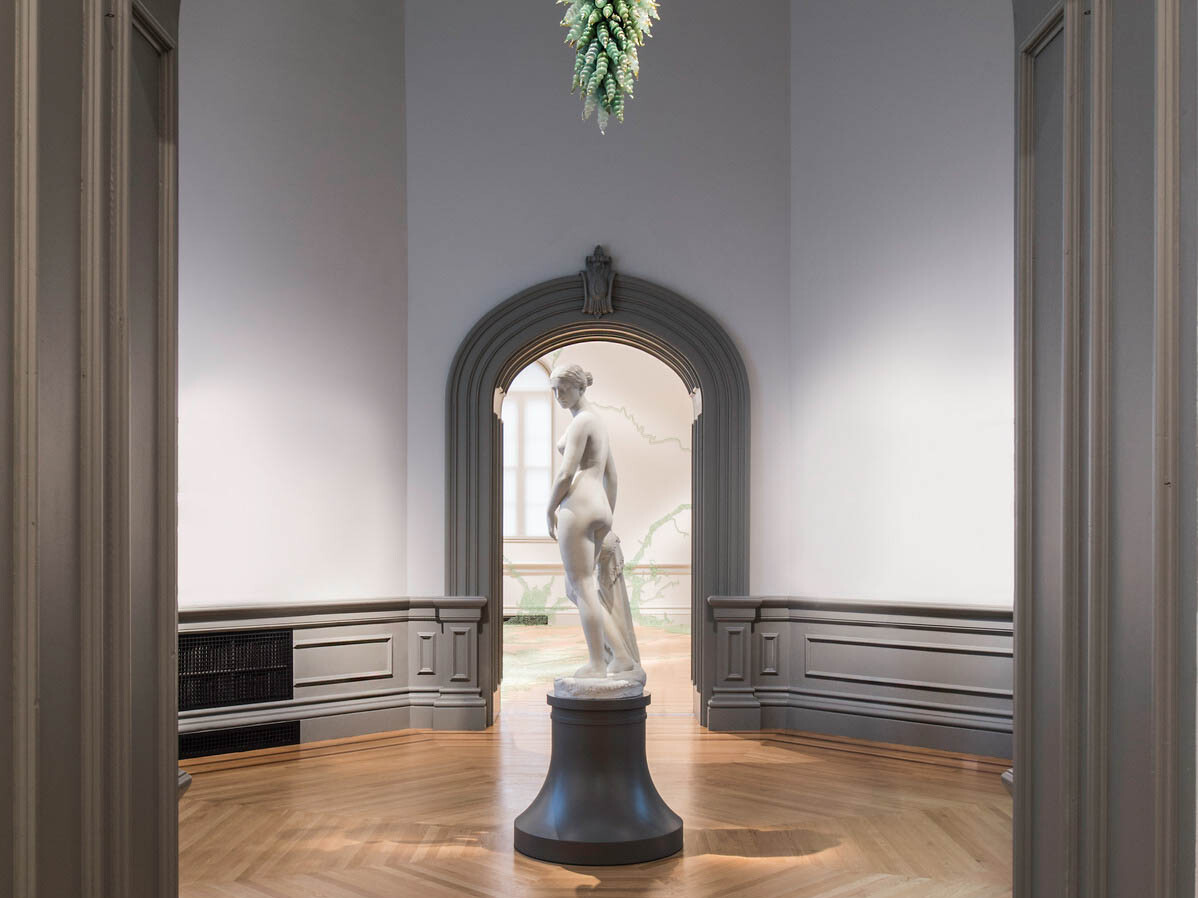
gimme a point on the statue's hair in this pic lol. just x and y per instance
(572, 374)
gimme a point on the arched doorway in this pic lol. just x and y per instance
(646, 316)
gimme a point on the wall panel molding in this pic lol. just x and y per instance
(337, 612)
(382, 640)
(429, 678)
(885, 659)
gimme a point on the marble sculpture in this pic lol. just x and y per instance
(581, 504)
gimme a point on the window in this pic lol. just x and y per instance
(527, 453)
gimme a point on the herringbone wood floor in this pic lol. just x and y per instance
(419, 813)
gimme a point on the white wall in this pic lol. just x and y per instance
(508, 187)
(902, 360)
(292, 300)
(871, 300)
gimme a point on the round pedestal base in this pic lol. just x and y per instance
(598, 805)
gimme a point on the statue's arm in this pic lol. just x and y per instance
(610, 481)
(571, 458)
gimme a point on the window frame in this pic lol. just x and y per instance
(519, 401)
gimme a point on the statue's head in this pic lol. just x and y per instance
(569, 382)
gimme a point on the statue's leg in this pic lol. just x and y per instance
(577, 545)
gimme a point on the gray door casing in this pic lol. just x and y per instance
(1105, 447)
(646, 316)
(89, 456)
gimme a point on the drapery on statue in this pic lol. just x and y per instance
(619, 638)
(596, 284)
(579, 517)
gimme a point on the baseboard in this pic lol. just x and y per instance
(304, 751)
(889, 729)
(358, 723)
(338, 717)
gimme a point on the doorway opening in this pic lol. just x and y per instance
(645, 316)
(648, 413)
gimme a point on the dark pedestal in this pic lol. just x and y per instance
(598, 805)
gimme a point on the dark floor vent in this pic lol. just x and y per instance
(223, 742)
(239, 668)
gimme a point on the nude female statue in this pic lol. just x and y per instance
(580, 517)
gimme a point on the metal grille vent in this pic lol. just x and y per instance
(239, 668)
(223, 742)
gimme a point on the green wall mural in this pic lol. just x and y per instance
(640, 428)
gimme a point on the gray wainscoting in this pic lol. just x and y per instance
(939, 676)
(361, 667)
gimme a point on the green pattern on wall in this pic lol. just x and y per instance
(533, 599)
(645, 581)
(640, 428)
(643, 576)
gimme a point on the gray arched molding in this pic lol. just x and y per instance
(648, 317)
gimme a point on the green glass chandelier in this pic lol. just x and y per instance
(605, 35)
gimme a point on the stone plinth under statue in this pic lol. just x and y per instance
(598, 805)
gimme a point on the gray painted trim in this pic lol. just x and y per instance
(92, 543)
(971, 716)
(1024, 731)
(998, 613)
(349, 676)
(1072, 397)
(1166, 536)
(1185, 669)
(306, 709)
(25, 454)
(119, 683)
(1096, 763)
(439, 650)
(765, 678)
(167, 450)
(648, 317)
(892, 709)
(131, 20)
(928, 685)
(950, 648)
(295, 615)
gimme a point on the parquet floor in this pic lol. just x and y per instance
(775, 815)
